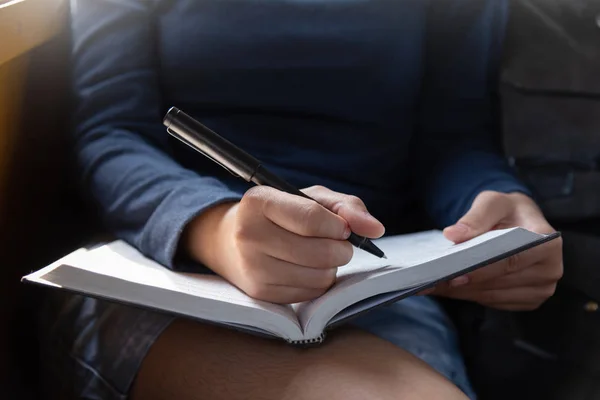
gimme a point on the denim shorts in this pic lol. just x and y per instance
(93, 349)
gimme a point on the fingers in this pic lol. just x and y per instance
(510, 265)
(282, 294)
(350, 208)
(547, 256)
(272, 271)
(287, 248)
(332, 215)
(488, 209)
(296, 214)
(268, 238)
(521, 298)
(521, 282)
(517, 307)
(541, 274)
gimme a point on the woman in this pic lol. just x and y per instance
(366, 103)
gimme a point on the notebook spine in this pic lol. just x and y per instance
(308, 342)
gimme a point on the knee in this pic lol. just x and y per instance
(352, 387)
(383, 372)
(424, 386)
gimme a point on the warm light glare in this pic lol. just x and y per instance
(6, 3)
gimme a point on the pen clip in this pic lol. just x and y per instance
(176, 136)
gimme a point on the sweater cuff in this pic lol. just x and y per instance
(162, 232)
(458, 182)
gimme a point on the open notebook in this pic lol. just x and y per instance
(118, 272)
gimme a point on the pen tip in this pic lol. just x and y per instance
(384, 256)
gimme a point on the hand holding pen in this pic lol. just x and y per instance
(238, 162)
(278, 244)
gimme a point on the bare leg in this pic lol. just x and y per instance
(193, 361)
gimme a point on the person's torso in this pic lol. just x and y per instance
(322, 91)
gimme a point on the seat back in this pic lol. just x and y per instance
(38, 211)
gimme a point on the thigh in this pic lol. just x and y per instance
(192, 361)
(96, 349)
(420, 326)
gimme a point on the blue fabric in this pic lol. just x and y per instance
(387, 100)
(93, 349)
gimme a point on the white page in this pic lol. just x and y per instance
(409, 250)
(122, 261)
(403, 251)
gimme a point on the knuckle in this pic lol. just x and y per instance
(313, 211)
(332, 278)
(346, 253)
(316, 191)
(355, 201)
(311, 219)
(254, 195)
(258, 198)
(336, 254)
(315, 188)
(254, 199)
(549, 291)
(327, 279)
(557, 273)
(256, 290)
(313, 294)
(558, 243)
(243, 233)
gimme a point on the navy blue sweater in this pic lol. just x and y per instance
(388, 100)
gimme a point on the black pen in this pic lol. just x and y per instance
(238, 162)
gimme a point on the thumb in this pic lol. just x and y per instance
(351, 208)
(488, 209)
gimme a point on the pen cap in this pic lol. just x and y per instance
(210, 144)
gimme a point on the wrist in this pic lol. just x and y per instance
(523, 200)
(520, 196)
(529, 214)
(206, 237)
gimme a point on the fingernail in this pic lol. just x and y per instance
(347, 231)
(460, 281)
